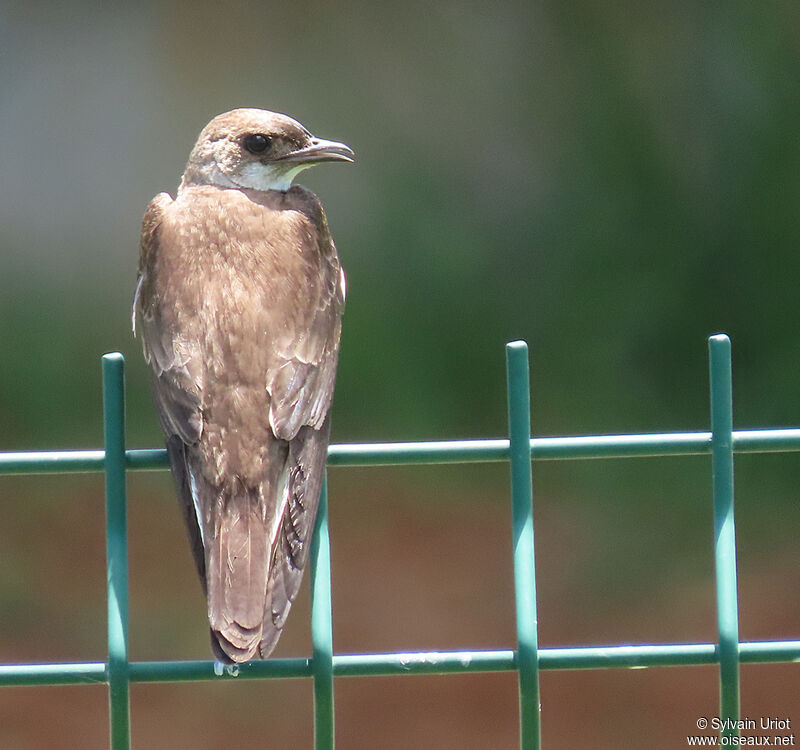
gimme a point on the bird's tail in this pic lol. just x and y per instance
(256, 542)
(230, 544)
(236, 574)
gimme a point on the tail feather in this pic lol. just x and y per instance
(236, 561)
(228, 653)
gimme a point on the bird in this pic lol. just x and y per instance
(238, 305)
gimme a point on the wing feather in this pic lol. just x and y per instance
(174, 365)
(307, 456)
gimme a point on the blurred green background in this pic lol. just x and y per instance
(611, 181)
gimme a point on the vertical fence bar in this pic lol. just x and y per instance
(724, 526)
(116, 550)
(322, 627)
(519, 429)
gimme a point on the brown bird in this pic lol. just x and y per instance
(238, 306)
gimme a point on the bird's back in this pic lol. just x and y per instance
(240, 305)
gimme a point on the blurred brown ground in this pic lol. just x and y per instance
(414, 568)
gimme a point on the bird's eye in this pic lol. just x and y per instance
(256, 143)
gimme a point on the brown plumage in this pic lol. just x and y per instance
(238, 306)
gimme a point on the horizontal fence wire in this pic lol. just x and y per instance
(413, 663)
(527, 659)
(441, 451)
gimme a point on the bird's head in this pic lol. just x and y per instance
(256, 149)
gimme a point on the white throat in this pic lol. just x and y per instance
(254, 176)
(257, 176)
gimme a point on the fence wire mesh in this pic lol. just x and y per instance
(527, 659)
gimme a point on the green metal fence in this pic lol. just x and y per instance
(527, 659)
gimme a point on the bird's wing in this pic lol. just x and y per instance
(306, 469)
(175, 376)
(301, 383)
(301, 391)
(175, 365)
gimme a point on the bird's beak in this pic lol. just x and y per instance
(319, 150)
